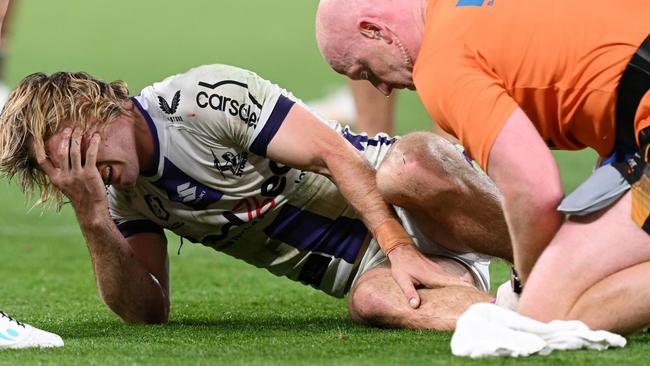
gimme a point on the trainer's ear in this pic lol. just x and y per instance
(371, 28)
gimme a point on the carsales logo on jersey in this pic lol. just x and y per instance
(248, 113)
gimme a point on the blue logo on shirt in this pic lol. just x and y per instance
(474, 2)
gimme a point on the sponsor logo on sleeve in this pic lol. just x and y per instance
(248, 111)
(171, 109)
(166, 107)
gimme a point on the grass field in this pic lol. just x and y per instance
(223, 311)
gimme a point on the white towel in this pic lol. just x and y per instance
(489, 330)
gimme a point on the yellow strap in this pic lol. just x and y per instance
(641, 200)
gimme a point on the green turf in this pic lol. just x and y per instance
(223, 311)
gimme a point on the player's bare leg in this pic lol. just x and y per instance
(376, 300)
(454, 205)
(596, 268)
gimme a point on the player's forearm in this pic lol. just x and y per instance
(324, 151)
(125, 285)
(356, 180)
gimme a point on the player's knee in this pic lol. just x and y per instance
(415, 162)
(368, 305)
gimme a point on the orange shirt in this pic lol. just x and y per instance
(559, 60)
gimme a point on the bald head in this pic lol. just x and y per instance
(355, 32)
(336, 28)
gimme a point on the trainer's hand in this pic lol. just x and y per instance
(410, 268)
(81, 183)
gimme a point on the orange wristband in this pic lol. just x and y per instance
(390, 234)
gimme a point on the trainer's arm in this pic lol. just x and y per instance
(323, 150)
(527, 175)
(132, 274)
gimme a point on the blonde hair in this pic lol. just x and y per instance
(36, 109)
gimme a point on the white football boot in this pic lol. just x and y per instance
(14, 334)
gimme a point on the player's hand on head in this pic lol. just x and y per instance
(77, 177)
(410, 268)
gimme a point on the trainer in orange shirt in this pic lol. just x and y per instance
(508, 79)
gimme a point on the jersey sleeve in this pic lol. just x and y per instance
(234, 107)
(128, 221)
(467, 100)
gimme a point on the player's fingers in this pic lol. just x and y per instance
(75, 149)
(412, 296)
(91, 153)
(63, 151)
(43, 161)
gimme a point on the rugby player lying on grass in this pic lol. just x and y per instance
(224, 158)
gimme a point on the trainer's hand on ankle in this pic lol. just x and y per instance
(410, 268)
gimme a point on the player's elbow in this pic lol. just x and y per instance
(139, 309)
(154, 316)
(338, 157)
(142, 315)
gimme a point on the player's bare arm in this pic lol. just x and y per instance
(131, 275)
(324, 151)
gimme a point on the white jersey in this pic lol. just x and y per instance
(213, 184)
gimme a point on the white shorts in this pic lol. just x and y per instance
(477, 264)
